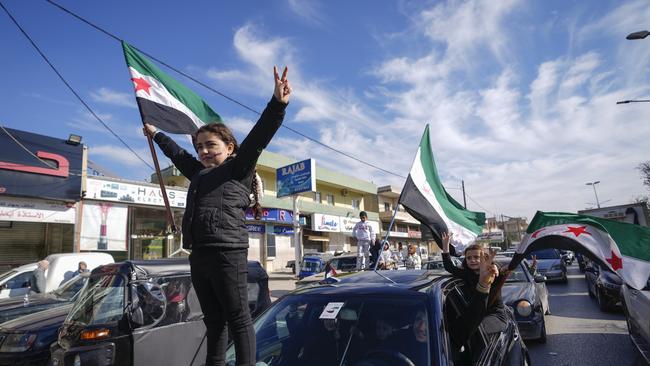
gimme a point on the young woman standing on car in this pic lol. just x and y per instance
(213, 227)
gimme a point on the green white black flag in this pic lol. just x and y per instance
(424, 197)
(163, 101)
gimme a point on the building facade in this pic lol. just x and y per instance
(327, 216)
(41, 181)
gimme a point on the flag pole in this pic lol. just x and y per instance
(171, 227)
(390, 226)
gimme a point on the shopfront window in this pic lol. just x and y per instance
(149, 239)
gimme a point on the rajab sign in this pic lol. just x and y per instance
(296, 178)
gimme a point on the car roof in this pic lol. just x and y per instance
(369, 282)
(144, 269)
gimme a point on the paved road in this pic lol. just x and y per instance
(579, 333)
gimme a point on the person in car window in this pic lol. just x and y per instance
(479, 272)
(221, 183)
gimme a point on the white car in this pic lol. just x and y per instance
(15, 282)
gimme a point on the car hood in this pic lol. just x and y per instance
(512, 292)
(36, 321)
(545, 264)
(14, 307)
(609, 277)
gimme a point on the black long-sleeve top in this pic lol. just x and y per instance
(218, 196)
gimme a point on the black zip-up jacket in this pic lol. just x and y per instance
(217, 197)
(479, 303)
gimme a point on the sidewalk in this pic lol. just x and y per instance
(281, 283)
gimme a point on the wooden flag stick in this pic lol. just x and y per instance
(171, 227)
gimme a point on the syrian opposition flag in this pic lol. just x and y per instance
(424, 197)
(619, 246)
(163, 101)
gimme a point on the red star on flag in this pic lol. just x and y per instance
(537, 232)
(577, 230)
(141, 84)
(615, 261)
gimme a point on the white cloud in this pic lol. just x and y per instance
(521, 142)
(109, 96)
(309, 10)
(120, 155)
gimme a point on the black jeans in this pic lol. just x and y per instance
(219, 278)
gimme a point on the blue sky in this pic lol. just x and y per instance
(520, 95)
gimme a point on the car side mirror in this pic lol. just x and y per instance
(539, 278)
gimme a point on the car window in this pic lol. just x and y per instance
(20, 281)
(317, 330)
(347, 264)
(7, 275)
(518, 275)
(545, 254)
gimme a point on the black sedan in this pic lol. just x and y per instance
(26, 340)
(527, 295)
(604, 285)
(395, 318)
(14, 307)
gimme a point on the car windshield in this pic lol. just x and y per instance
(100, 302)
(317, 330)
(311, 265)
(518, 275)
(7, 274)
(545, 254)
(71, 288)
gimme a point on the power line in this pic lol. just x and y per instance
(111, 35)
(69, 86)
(483, 208)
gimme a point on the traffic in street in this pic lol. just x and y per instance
(579, 333)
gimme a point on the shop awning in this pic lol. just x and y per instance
(317, 238)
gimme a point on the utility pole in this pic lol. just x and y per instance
(462, 182)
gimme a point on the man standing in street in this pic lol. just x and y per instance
(365, 236)
(37, 281)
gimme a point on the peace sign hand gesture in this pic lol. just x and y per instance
(282, 87)
(487, 269)
(446, 238)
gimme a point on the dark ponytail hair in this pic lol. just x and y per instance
(224, 133)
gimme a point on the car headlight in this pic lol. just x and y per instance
(19, 342)
(524, 308)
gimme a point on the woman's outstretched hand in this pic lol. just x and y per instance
(282, 87)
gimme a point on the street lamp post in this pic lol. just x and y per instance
(593, 184)
(638, 35)
(634, 36)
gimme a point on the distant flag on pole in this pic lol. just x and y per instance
(623, 248)
(163, 101)
(424, 197)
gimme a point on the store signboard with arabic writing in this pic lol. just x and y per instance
(31, 210)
